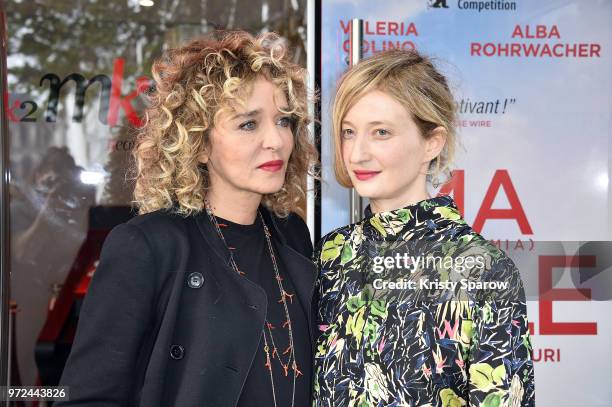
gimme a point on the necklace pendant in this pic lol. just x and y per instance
(286, 368)
(296, 370)
(274, 352)
(270, 326)
(287, 350)
(287, 323)
(284, 295)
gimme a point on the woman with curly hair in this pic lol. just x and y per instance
(415, 308)
(204, 298)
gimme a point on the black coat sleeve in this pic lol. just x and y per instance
(115, 317)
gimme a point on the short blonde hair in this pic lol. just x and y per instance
(193, 83)
(413, 81)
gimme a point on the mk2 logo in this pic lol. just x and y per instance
(437, 4)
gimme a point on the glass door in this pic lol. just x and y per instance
(76, 74)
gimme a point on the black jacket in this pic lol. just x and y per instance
(208, 332)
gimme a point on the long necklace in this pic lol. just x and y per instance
(290, 361)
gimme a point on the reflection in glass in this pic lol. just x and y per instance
(77, 71)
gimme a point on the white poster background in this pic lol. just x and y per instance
(552, 140)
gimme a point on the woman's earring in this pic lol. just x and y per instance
(435, 182)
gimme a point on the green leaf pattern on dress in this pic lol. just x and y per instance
(376, 350)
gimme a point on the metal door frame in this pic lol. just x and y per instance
(5, 247)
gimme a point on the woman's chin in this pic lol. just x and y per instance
(268, 188)
(368, 192)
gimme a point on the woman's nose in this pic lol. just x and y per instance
(359, 150)
(273, 137)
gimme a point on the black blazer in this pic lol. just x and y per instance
(149, 334)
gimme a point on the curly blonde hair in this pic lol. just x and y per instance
(193, 83)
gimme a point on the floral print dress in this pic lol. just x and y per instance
(419, 345)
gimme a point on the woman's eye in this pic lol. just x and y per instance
(347, 133)
(285, 121)
(248, 126)
(382, 132)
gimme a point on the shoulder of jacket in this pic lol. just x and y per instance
(290, 223)
(156, 219)
(161, 228)
(295, 232)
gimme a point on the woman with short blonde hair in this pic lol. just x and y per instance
(412, 81)
(414, 307)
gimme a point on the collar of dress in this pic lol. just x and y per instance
(431, 213)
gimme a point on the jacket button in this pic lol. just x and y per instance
(177, 352)
(195, 280)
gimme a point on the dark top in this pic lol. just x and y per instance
(148, 337)
(252, 257)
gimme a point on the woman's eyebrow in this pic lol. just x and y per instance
(378, 123)
(256, 112)
(252, 113)
(373, 123)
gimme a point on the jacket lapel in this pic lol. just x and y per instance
(208, 231)
(301, 270)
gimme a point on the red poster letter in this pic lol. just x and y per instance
(549, 294)
(502, 179)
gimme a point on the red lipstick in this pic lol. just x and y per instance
(363, 175)
(272, 166)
